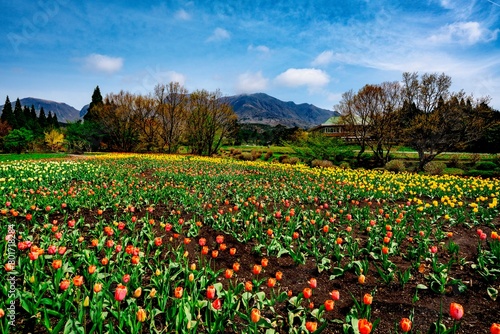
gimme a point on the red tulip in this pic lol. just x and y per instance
(335, 294)
(495, 328)
(211, 292)
(313, 283)
(456, 311)
(64, 284)
(217, 304)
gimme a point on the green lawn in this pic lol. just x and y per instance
(31, 156)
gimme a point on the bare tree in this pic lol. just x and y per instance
(120, 117)
(209, 120)
(370, 117)
(435, 120)
(171, 102)
(149, 124)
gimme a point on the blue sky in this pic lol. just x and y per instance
(301, 51)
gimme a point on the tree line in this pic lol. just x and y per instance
(420, 112)
(21, 126)
(162, 121)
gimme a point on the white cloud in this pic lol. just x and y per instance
(102, 63)
(311, 77)
(259, 48)
(324, 58)
(251, 82)
(219, 34)
(182, 15)
(464, 33)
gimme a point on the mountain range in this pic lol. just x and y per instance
(256, 108)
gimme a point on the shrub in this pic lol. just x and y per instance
(455, 162)
(291, 161)
(321, 163)
(282, 157)
(485, 165)
(482, 173)
(434, 167)
(395, 166)
(268, 155)
(453, 171)
(344, 165)
(476, 157)
(255, 155)
(247, 156)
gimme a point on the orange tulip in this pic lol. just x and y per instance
(279, 275)
(232, 251)
(141, 315)
(264, 262)
(329, 304)
(138, 292)
(178, 292)
(364, 326)
(56, 264)
(311, 326)
(456, 311)
(97, 287)
(211, 292)
(228, 273)
(405, 325)
(236, 266)
(248, 286)
(215, 253)
(271, 282)
(256, 269)
(255, 315)
(120, 292)
(78, 280)
(367, 299)
(307, 293)
(361, 279)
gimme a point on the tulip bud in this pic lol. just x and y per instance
(86, 302)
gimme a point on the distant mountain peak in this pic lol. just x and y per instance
(261, 108)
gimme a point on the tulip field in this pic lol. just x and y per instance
(130, 243)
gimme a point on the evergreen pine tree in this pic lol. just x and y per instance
(33, 113)
(7, 113)
(42, 119)
(49, 119)
(55, 122)
(18, 115)
(96, 102)
(26, 113)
